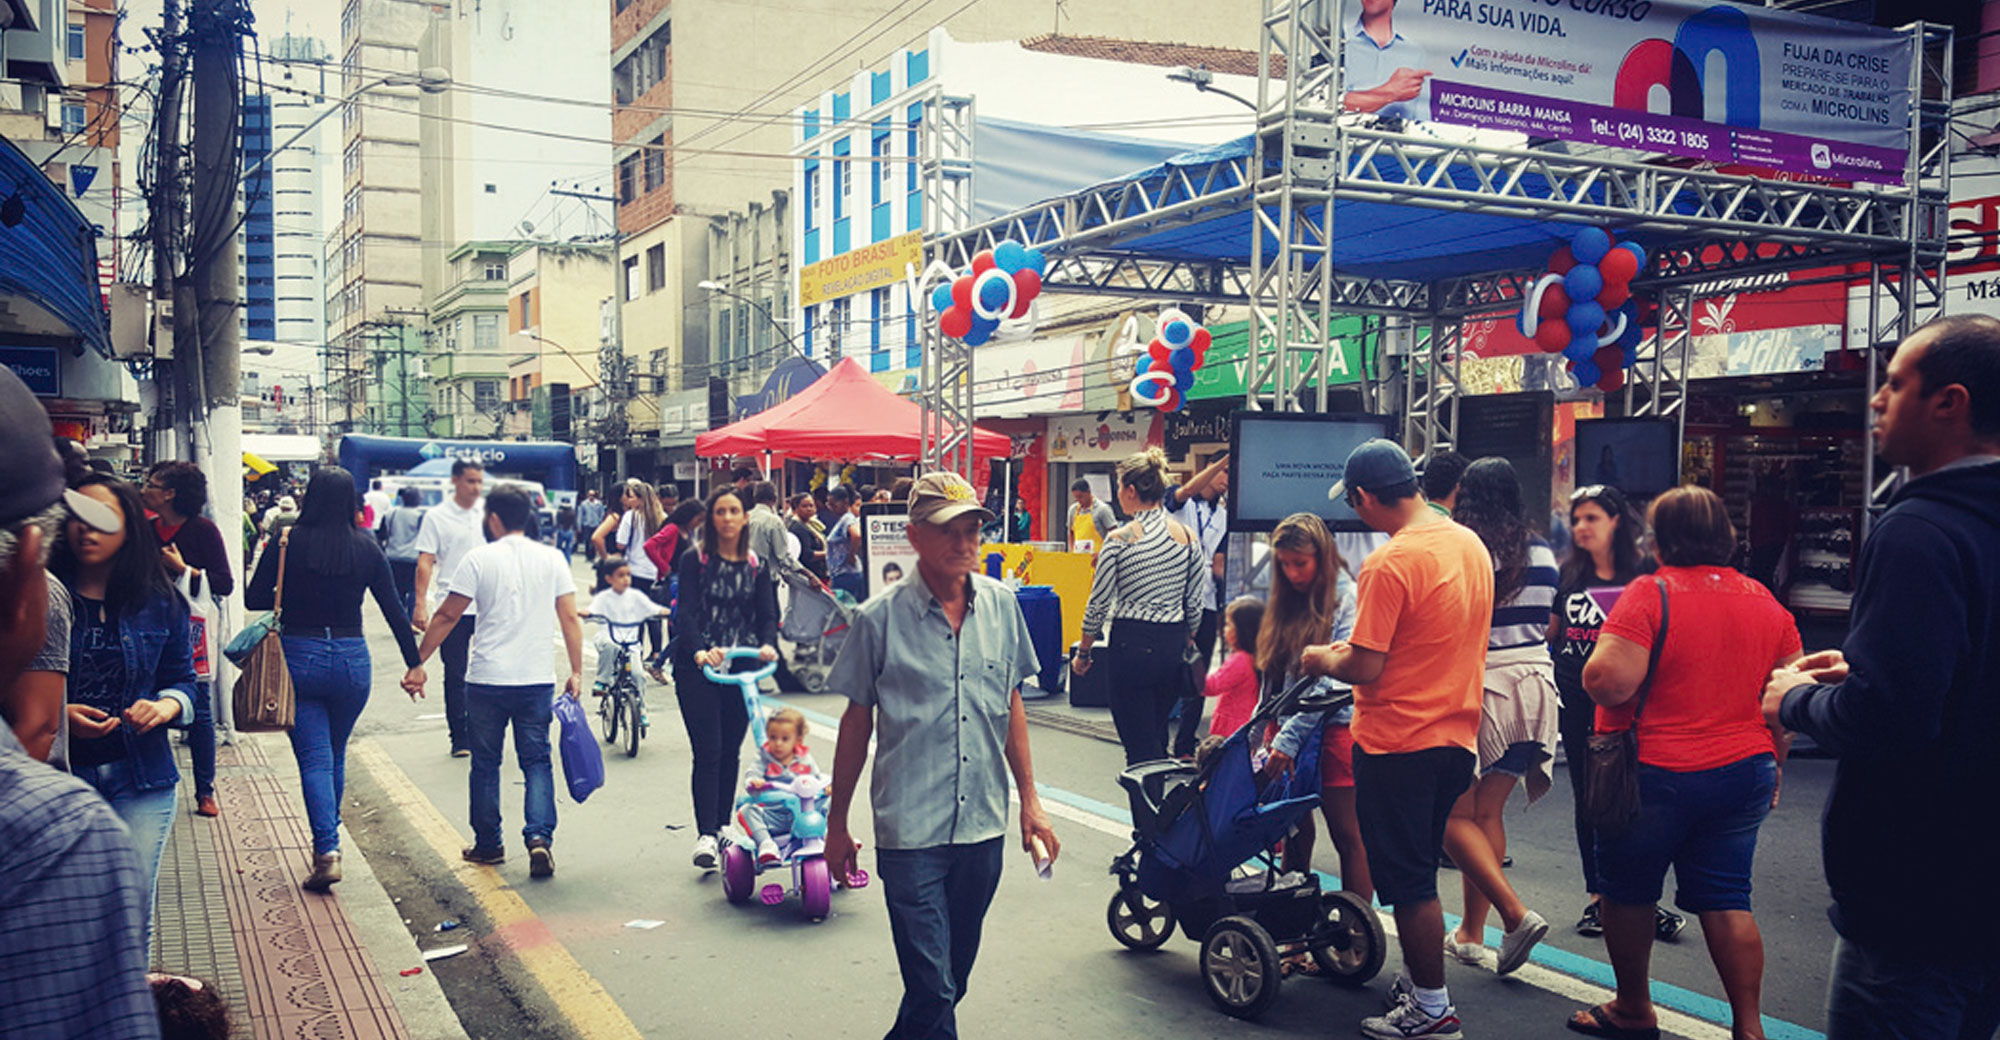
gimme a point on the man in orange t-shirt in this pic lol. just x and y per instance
(1417, 660)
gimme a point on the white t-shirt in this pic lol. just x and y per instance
(633, 537)
(624, 607)
(378, 500)
(449, 533)
(515, 584)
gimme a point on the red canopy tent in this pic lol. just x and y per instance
(844, 414)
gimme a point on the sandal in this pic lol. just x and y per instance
(1596, 1021)
(1298, 964)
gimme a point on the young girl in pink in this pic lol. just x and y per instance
(1234, 685)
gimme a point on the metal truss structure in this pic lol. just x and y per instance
(1709, 228)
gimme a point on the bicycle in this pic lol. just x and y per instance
(623, 704)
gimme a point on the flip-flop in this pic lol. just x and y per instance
(1298, 964)
(1596, 1021)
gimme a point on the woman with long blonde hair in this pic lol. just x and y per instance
(643, 515)
(1312, 602)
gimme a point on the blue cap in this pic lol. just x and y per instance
(1373, 465)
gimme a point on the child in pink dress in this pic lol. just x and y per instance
(1234, 685)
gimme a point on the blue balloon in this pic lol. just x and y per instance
(1583, 283)
(1629, 339)
(1589, 246)
(1010, 256)
(1587, 373)
(993, 294)
(1181, 357)
(1177, 334)
(982, 330)
(1580, 349)
(1636, 250)
(1035, 261)
(941, 297)
(1585, 318)
(1183, 380)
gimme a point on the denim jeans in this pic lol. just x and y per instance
(201, 740)
(1703, 824)
(937, 899)
(1151, 676)
(454, 652)
(149, 815)
(1878, 995)
(566, 541)
(330, 679)
(531, 711)
(405, 574)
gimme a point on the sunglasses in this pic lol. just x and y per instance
(1604, 492)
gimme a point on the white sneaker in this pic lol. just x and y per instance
(704, 852)
(1400, 991)
(767, 853)
(1406, 1020)
(1472, 954)
(1518, 943)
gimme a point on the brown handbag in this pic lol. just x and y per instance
(1611, 785)
(263, 695)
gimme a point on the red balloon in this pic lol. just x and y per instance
(1173, 401)
(955, 322)
(1618, 266)
(1161, 364)
(1561, 260)
(961, 292)
(1615, 293)
(1201, 341)
(1027, 286)
(1553, 336)
(1555, 303)
(1158, 350)
(1613, 378)
(982, 261)
(1608, 358)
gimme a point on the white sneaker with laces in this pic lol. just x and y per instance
(767, 853)
(1518, 943)
(704, 852)
(1399, 991)
(1470, 954)
(1407, 1020)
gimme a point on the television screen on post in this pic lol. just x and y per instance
(1640, 457)
(1285, 463)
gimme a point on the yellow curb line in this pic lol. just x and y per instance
(579, 997)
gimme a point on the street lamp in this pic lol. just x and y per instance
(1203, 80)
(791, 339)
(430, 81)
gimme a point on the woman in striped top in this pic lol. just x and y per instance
(1148, 583)
(1517, 729)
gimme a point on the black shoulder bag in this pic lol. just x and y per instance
(1611, 787)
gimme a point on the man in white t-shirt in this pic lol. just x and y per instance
(378, 502)
(522, 589)
(448, 532)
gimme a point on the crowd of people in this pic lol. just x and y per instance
(1470, 648)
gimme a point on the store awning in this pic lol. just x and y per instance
(254, 466)
(845, 414)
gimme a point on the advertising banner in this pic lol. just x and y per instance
(1714, 81)
(1102, 437)
(860, 269)
(888, 552)
(1226, 371)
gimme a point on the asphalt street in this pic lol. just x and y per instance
(1048, 965)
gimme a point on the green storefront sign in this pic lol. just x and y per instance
(1225, 373)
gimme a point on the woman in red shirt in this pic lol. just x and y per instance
(1708, 764)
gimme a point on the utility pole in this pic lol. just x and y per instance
(613, 368)
(165, 206)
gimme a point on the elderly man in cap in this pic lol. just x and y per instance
(72, 925)
(933, 667)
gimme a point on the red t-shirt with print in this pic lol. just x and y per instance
(1725, 632)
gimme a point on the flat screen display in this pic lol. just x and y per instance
(1640, 457)
(1282, 464)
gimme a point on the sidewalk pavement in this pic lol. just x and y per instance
(290, 963)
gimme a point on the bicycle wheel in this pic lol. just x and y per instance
(632, 710)
(608, 709)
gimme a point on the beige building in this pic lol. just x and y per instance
(469, 357)
(554, 327)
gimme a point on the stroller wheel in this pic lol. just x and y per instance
(1139, 923)
(1239, 964)
(1349, 943)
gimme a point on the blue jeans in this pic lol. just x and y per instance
(1878, 995)
(404, 572)
(566, 541)
(330, 679)
(456, 652)
(531, 710)
(149, 815)
(937, 900)
(1703, 824)
(201, 740)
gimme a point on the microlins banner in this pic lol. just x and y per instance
(1715, 81)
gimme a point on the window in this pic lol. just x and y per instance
(844, 183)
(911, 173)
(76, 43)
(72, 117)
(726, 335)
(632, 283)
(836, 328)
(644, 68)
(878, 149)
(811, 193)
(528, 309)
(351, 161)
(656, 163)
(496, 272)
(878, 308)
(486, 394)
(656, 268)
(486, 332)
(628, 178)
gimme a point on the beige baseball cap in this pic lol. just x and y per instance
(940, 498)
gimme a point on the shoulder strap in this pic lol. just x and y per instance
(1653, 661)
(278, 599)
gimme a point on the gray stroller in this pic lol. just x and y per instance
(816, 625)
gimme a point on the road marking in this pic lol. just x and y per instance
(578, 996)
(1682, 1011)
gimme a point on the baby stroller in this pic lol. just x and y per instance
(1202, 857)
(816, 624)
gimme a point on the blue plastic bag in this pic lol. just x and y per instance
(582, 760)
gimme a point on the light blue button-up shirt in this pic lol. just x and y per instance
(942, 703)
(1370, 64)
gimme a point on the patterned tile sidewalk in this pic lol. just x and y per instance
(231, 910)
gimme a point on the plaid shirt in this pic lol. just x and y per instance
(72, 953)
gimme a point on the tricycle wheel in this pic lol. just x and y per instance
(1137, 922)
(739, 876)
(1349, 943)
(816, 888)
(1239, 965)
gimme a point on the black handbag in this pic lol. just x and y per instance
(1611, 785)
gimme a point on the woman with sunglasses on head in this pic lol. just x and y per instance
(1603, 558)
(131, 665)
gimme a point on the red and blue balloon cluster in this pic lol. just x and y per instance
(1178, 350)
(1003, 281)
(1583, 308)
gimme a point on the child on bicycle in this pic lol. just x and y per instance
(619, 603)
(782, 761)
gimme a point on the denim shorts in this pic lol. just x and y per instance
(1520, 756)
(1703, 824)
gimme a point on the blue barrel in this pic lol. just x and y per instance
(994, 564)
(1042, 609)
